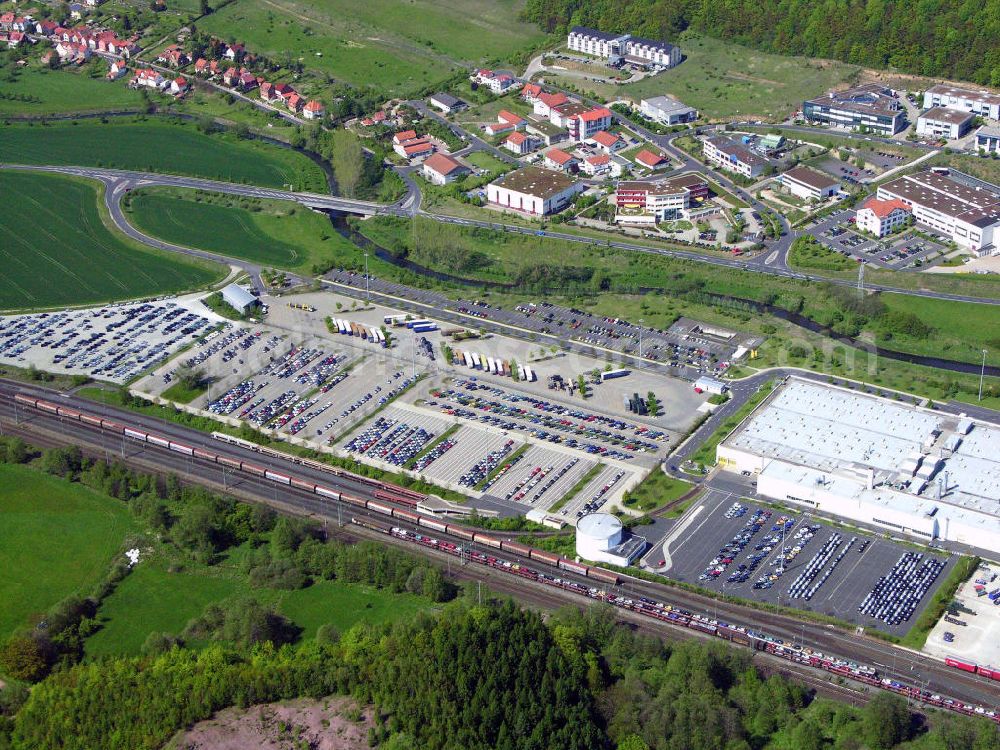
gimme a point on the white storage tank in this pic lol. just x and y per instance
(596, 533)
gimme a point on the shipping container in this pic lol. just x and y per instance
(529, 375)
(963, 665)
(354, 329)
(520, 372)
(253, 468)
(46, 406)
(91, 420)
(477, 361)
(354, 501)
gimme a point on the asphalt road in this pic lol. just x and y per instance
(905, 665)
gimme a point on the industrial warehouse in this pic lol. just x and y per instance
(900, 468)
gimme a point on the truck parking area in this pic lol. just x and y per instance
(974, 622)
(754, 551)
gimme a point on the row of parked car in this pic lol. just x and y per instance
(896, 595)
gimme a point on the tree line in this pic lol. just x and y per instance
(479, 673)
(955, 39)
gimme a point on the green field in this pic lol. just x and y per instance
(723, 80)
(56, 539)
(158, 146)
(154, 600)
(57, 250)
(959, 332)
(275, 233)
(37, 90)
(398, 47)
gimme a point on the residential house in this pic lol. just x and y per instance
(560, 160)
(173, 56)
(651, 160)
(73, 52)
(149, 78)
(46, 28)
(519, 143)
(447, 103)
(231, 77)
(587, 124)
(499, 82)
(294, 102)
(314, 110)
(534, 191)
(12, 39)
(283, 92)
(544, 103)
(201, 66)
(600, 165)
(234, 52)
(403, 136)
(179, 86)
(247, 81)
(440, 169)
(24, 24)
(117, 70)
(882, 217)
(7, 21)
(375, 119)
(414, 149)
(530, 92)
(267, 91)
(605, 141)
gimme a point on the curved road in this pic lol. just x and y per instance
(410, 206)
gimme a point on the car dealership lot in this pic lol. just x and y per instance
(115, 342)
(726, 532)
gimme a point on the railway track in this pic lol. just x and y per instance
(158, 458)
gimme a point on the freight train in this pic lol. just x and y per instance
(683, 618)
(387, 496)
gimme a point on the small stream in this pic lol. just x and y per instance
(342, 228)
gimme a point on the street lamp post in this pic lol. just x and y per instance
(982, 374)
(368, 295)
(640, 337)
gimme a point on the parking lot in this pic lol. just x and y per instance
(115, 343)
(747, 549)
(689, 359)
(975, 622)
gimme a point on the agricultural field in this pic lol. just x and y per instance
(724, 80)
(37, 90)
(155, 600)
(59, 252)
(159, 146)
(56, 539)
(274, 233)
(397, 47)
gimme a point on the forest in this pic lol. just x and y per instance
(953, 39)
(479, 673)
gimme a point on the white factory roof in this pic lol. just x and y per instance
(827, 429)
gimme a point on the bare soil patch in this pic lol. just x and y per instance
(327, 724)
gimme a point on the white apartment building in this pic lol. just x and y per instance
(532, 190)
(734, 156)
(944, 123)
(882, 217)
(617, 48)
(667, 111)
